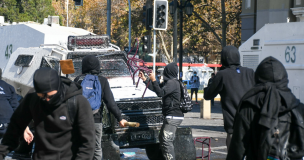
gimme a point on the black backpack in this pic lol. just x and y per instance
(185, 100)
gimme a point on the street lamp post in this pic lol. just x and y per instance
(189, 10)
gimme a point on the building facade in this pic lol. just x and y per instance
(257, 13)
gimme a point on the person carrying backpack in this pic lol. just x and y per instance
(269, 121)
(195, 83)
(170, 92)
(90, 71)
(58, 135)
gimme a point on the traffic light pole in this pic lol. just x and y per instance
(109, 19)
(181, 44)
(154, 50)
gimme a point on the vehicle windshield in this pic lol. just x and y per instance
(108, 68)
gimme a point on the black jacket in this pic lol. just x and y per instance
(55, 137)
(247, 132)
(232, 82)
(106, 96)
(169, 90)
(9, 103)
(269, 121)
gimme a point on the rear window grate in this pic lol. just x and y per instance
(251, 61)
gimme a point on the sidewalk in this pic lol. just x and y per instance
(213, 127)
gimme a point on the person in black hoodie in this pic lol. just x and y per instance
(91, 65)
(231, 82)
(9, 103)
(170, 92)
(269, 121)
(56, 136)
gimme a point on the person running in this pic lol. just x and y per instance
(59, 134)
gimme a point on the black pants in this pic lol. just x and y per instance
(194, 90)
(166, 137)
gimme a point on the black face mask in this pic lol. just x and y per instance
(57, 99)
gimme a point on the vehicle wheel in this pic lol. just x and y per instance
(154, 152)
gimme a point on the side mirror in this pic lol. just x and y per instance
(67, 66)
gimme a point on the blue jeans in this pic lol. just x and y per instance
(166, 137)
(98, 135)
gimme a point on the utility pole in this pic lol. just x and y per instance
(67, 13)
(224, 25)
(109, 19)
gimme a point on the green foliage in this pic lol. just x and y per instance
(26, 10)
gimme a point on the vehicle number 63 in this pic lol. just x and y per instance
(290, 54)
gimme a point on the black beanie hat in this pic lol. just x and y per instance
(46, 80)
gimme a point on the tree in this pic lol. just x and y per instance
(26, 10)
(220, 25)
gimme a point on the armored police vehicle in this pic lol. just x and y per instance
(285, 42)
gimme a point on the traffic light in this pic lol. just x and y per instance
(148, 14)
(78, 2)
(160, 14)
(146, 47)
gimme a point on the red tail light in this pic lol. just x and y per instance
(88, 41)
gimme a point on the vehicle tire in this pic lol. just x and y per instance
(154, 152)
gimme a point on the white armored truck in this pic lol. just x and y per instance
(284, 41)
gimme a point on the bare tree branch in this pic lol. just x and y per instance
(169, 58)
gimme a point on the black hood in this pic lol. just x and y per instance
(90, 64)
(170, 71)
(271, 96)
(230, 56)
(271, 70)
(71, 88)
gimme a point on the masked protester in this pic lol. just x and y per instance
(231, 82)
(170, 92)
(269, 121)
(9, 103)
(91, 65)
(56, 136)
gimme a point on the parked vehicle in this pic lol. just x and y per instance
(285, 42)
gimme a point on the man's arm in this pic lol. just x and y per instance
(19, 121)
(214, 87)
(13, 100)
(85, 125)
(108, 98)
